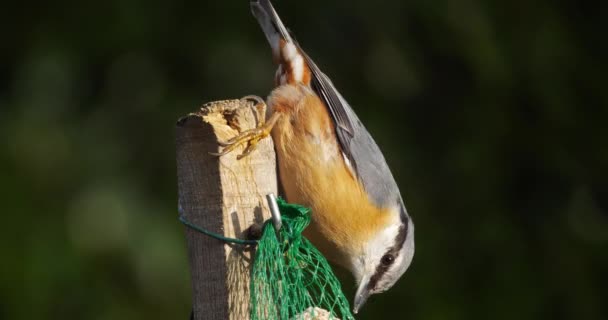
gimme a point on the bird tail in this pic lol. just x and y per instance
(272, 26)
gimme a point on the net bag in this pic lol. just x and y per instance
(290, 278)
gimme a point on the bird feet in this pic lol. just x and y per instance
(250, 137)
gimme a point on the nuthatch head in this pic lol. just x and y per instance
(329, 162)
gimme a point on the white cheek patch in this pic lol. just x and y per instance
(389, 277)
(378, 245)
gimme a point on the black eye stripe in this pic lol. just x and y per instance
(387, 259)
(381, 269)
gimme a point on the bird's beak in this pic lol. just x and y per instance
(362, 294)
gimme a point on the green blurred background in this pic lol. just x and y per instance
(492, 115)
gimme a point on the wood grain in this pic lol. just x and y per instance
(223, 195)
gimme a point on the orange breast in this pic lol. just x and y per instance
(313, 173)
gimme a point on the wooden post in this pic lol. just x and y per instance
(225, 196)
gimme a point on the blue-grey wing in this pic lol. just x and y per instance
(357, 145)
(343, 120)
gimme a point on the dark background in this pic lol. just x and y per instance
(492, 115)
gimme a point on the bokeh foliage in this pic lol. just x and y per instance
(492, 115)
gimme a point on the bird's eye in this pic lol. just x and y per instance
(388, 259)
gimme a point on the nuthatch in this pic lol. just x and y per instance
(329, 162)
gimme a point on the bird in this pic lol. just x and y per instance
(329, 162)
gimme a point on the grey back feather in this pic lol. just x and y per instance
(356, 143)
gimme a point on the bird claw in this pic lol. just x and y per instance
(258, 100)
(250, 137)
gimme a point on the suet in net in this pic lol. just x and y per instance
(290, 277)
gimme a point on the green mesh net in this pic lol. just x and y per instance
(290, 277)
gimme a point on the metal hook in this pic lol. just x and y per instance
(274, 211)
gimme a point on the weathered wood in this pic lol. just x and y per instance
(223, 195)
